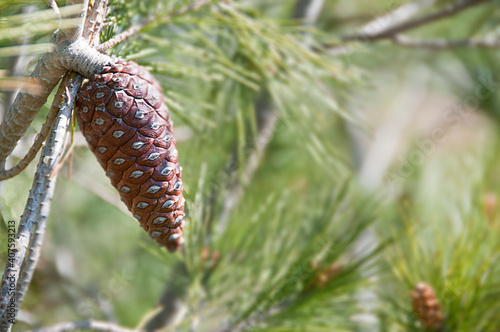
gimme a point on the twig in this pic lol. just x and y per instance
(40, 138)
(308, 10)
(393, 30)
(94, 22)
(77, 30)
(133, 30)
(171, 306)
(85, 325)
(53, 5)
(394, 17)
(36, 215)
(63, 160)
(37, 207)
(18, 64)
(439, 44)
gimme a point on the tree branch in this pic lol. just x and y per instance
(171, 300)
(53, 5)
(308, 10)
(171, 306)
(95, 22)
(396, 29)
(84, 325)
(440, 44)
(59, 135)
(40, 138)
(36, 210)
(383, 22)
(18, 63)
(27, 104)
(395, 17)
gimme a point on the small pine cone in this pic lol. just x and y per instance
(125, 121)
(426, 306)
(324, 275)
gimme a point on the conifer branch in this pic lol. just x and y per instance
(308, 10)
(412, 24)
(390, 25)
(36, 211)
(93, 325)
(383, 22)
(53, 5)
(55, 146)
(27, 104)
(18, 64)
(443, 44)
(95, 22)
(40, 137)
(171, 305)
(395, 17)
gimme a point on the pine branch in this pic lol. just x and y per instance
(18, 64)
(55, 143)
(443, 44)
(37, 208)
(196, 5)
(405, 26)
(27, 104)
(395, 17)
(386, 21)
(171, 305)
(53, 5)
(85, 325)
(95, 22)
(40, 137)
(390, 25)
(308, 10)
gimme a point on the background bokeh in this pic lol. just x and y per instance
(378, 162)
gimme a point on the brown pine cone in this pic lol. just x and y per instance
(125, 121)
(426, 306)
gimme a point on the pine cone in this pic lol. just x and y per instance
(324, 275)
(426, 306)
(125, 121)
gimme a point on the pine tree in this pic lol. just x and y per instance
(338, 166)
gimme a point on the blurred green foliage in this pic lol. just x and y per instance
(260, 238)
